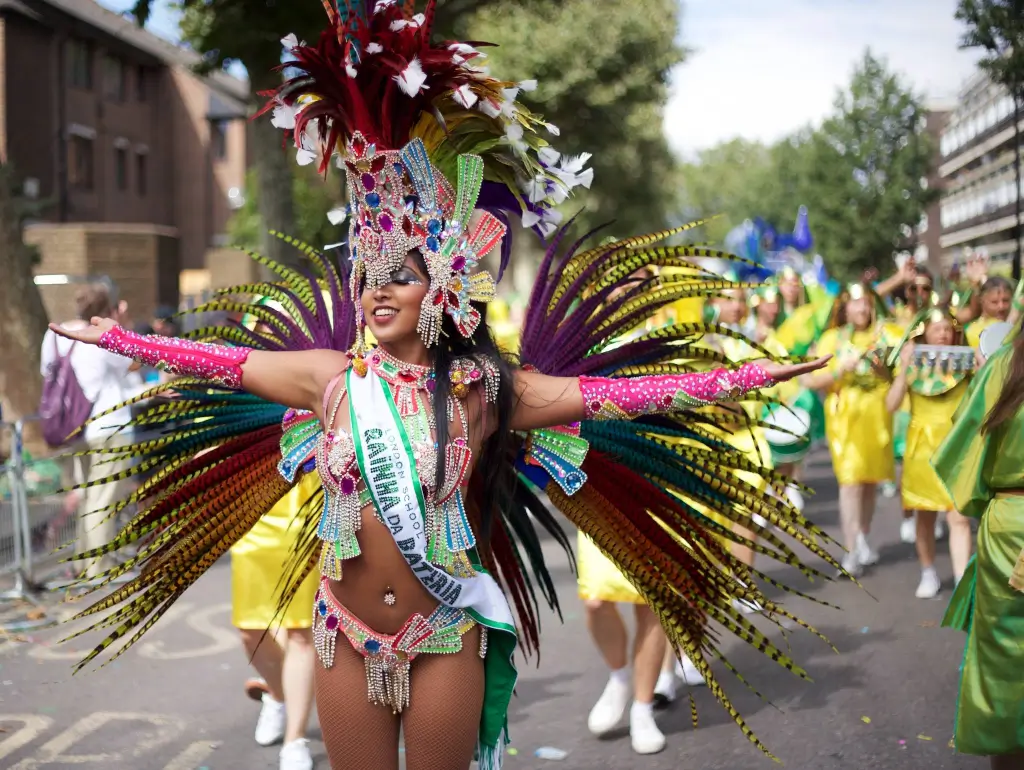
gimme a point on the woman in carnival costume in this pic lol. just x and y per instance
(980, 463)
(935, 390)
(858, 426)
(427, 518)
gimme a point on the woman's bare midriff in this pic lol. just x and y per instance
(380, 568)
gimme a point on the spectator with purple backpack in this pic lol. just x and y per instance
(83, 381)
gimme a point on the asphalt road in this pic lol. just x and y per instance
(175, 702)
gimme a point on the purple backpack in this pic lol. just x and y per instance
(63, 406)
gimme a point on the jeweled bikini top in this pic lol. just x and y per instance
(345, 493)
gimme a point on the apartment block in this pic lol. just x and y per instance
(979, 188)
(139, 160)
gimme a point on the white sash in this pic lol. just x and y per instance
(387, 465)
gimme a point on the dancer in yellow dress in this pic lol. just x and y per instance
(996, 303)
(934, 392)
(858, 426)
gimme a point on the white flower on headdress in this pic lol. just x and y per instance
(382, 5)
(530, 218)
(456, 59)
(570, 170)
(374, 48)
(528, 85)
(553, 129)
(412, 79)
(548, 156)
(464, 95)
(462, 48)
(514, 136)
(350, 70)
(415, 21)
(536, 189)
(489, 108)
(290, 41)
(306, 153)
(337, 215)
(283, 117)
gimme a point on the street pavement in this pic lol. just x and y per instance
(175, 701)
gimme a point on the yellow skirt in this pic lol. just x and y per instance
(258, 563)
(922, 489)
(598, 578)
(859, 432)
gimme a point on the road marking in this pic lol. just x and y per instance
(52, 752)
(72, 650)
(34, 726)
(193, 756)
(224, 639)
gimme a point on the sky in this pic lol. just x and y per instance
(760, 69)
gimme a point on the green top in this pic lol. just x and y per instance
(975, 465)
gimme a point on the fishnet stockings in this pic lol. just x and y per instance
(440, 725)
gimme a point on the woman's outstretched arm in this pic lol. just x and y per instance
(543, 401)
(293, 378)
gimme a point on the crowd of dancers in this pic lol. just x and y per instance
(378, 461)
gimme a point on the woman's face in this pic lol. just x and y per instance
(732, 308)
(791, 290)
(768, 311)
(858, 312)
(919, 291)
(392, 311)
(939, 332)
(995, 303)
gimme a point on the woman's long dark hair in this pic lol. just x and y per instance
(1011, 397)
(497, 473)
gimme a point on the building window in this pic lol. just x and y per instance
(140, 173)
(121, 168)
(114, 79)
(219, 139)
(80, 162)
(79, 64)
(141, 84)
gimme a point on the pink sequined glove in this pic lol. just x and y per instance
(627, 398)
(216, 363)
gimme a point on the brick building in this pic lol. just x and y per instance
(138, 159)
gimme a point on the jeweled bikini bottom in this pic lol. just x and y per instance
(388, 657)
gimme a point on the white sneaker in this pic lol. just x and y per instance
(295, 756)
(851, 565)
(930, 584)
(664, 690)
(940, 529)
(270, 725)
(889, 489)
(908, 531)
(689, 674)
(644, 734)
(866, 555)
(610, 707)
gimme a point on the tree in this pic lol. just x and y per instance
(730, 182)
(313, 198)
(22, 315)
(602, 71)
(998, 27)
(865, 170)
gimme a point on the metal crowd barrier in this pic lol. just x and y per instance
(22, 522)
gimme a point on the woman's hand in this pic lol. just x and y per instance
(907, 356)
(88, 334)
(783, 372)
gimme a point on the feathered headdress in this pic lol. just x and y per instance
(424, 136)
